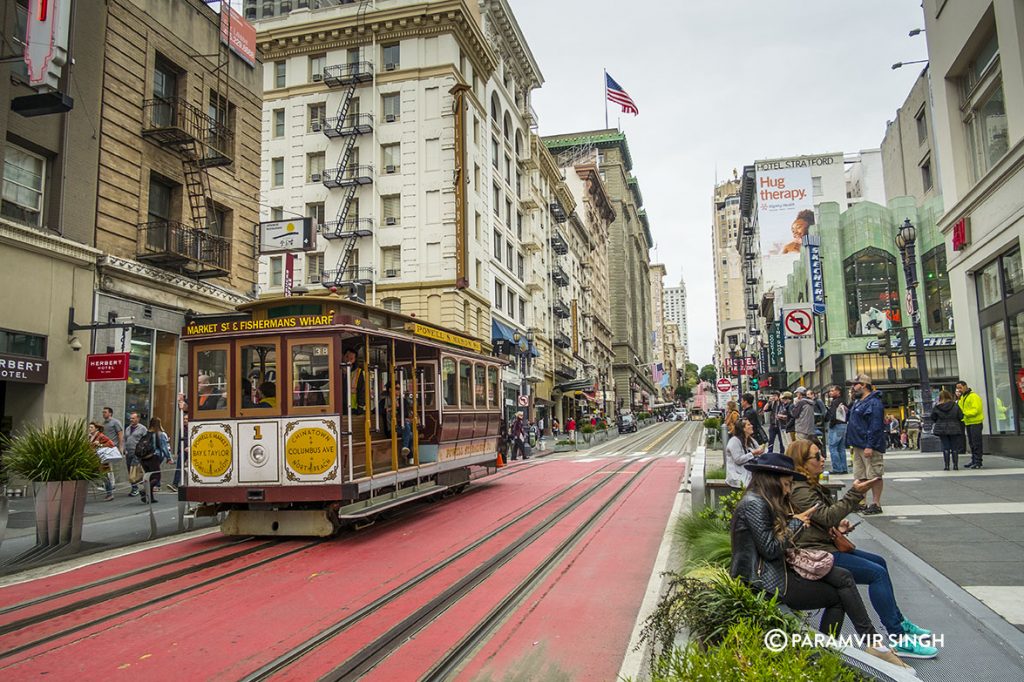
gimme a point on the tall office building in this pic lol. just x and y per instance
(675, 312)
(729, 303)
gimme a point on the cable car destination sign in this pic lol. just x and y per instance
(272, 324)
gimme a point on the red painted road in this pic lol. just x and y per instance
(232, 627)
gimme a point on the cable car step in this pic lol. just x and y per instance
(379, 503)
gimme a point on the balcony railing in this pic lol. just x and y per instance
(565, 371)
(338, 75)
(347, 176)
(561, 310)
(336, 229)
(345, 126)
(181, 126)
(559, 277)
(350, 275)
(558, 211)
(174, 245)
(558, 243)
(562, 340)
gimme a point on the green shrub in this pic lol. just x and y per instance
(741, 656)
(59, 451)
(564, 442)
(716, 474)
(712, 423)
(587, 428)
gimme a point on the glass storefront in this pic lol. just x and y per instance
(1000, 288)
(151, 389)
(938, 306)
(872, 292)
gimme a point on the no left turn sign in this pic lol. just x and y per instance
(798, 323)
(524, 401)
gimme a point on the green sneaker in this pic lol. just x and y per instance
(910, 646)
(911, 629)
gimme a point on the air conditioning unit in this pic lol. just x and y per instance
(390, 169)
(391, 273)
(390, 67)
(316, 126)
(317, 77)
(315, 177)
(391, 220)
(389, 118)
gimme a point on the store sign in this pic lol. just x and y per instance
(277, 236)
(106, 367)
(443, 336)
(46, 41)
(289, 273)
(961, 233)
(23, 370)
(929, 342)
(812, 247)
(239, 34)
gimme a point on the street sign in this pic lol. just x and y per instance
(724, 385)
(524, 401)
(106, 367)
(798, 323)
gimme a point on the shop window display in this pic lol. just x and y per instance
(872, 292)
(938, 306)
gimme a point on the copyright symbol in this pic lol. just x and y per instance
(775, 640)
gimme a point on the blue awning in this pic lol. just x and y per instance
(533, 351)
(502, 332)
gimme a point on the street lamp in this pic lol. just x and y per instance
(524, 357)
(900, 65)
(906, 237)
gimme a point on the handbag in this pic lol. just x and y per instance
(810, 564)
(839, 539)
(136, 473)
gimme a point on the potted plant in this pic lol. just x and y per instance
(60, 462)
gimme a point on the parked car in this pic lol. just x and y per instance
(627, 423)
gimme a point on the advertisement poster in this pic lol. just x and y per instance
(785, 213)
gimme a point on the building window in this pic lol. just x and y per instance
(981, 96)
(872, 293)
(315, 210)
(391, 260)
(315, 166)
(280, 74)
(511, 304)
(496, 200)
(278, 123)
(392, 56)
(314, 267)
(161, 200)
(317, 113)
(816, 186)
(520, 265)
(23, 186)
(476, 177)
(922, 126)
(391, 157)
(477, 225)
(508, 214)
(277, 213)
(508, 256)
(497, 245)
(391, 106)
(317, 62)
(276, 272)
(16, 343)
(499, 294)
(277, 171)
(519, 226)
(495, 155)
(393, 304)
(392, 209)
(218, 221)
(926, 174)
(165, 90)
(522, 310)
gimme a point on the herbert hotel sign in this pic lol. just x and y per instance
(23, 370)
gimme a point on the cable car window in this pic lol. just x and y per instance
(492, 387)
(311, 375)
(212, 381)
(479, 386)
(465, 384)
(259, 383)
(449, 380)
(426, 387)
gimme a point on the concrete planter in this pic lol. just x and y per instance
(562, 448)
(3, 516)
(60, 513)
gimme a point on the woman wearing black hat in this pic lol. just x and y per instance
(764, 527)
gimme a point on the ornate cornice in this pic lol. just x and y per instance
(36, 240)
(595, 186)
(336, 28)
(167, 281)
(505, 33)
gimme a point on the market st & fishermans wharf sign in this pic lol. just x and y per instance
(273, 324)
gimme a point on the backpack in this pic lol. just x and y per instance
(145, 448)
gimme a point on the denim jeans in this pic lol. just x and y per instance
(871, 570)
(775, 434)
(837, 447)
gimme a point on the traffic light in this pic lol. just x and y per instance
(885, 343)
(904, 338)
(755, 384)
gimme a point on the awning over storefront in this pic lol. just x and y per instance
(502, 332)
(571, 386)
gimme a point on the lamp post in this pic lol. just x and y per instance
(906, 238)
(524, 358)
(742, 371)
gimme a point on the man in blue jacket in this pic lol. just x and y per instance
(865, 433)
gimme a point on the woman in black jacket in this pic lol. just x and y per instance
(949, 427)
(764, 527)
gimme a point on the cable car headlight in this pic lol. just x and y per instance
(258, 455)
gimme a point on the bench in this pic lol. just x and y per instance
(716, 489)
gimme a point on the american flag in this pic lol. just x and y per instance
(619, 96)
(659, 371)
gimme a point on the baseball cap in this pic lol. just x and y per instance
(860, 379)
(801, 390)
(787, 394)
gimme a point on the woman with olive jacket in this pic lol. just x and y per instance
(866, 568)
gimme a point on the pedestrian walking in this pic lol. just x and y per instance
(865, 433)
(892, 425)
(835, 419)
(570, 429)
(152, 451)
(913, 426)
(751, 415)
(802, 413)
(133, 434)
(949, 427)
(105, 451)
(769, 421)
(974, 414)
(819, 412)
(784, 419)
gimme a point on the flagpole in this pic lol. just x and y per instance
(604, 93)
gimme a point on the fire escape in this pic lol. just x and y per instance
(347, 176)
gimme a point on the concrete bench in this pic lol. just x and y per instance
(716, 489)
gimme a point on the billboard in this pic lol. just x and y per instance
(785, 212)
(239, 34)
(279, 236)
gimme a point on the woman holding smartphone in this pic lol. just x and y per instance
(867, 568)
(740, 449)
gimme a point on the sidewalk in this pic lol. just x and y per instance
(954, 542)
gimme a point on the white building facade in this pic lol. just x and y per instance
(675, 312)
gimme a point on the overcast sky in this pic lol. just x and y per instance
(719, 83)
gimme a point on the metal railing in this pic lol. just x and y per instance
(172, 242)
(174, 122)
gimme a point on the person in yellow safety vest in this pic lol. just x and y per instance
(355, 393)
(974, 414)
